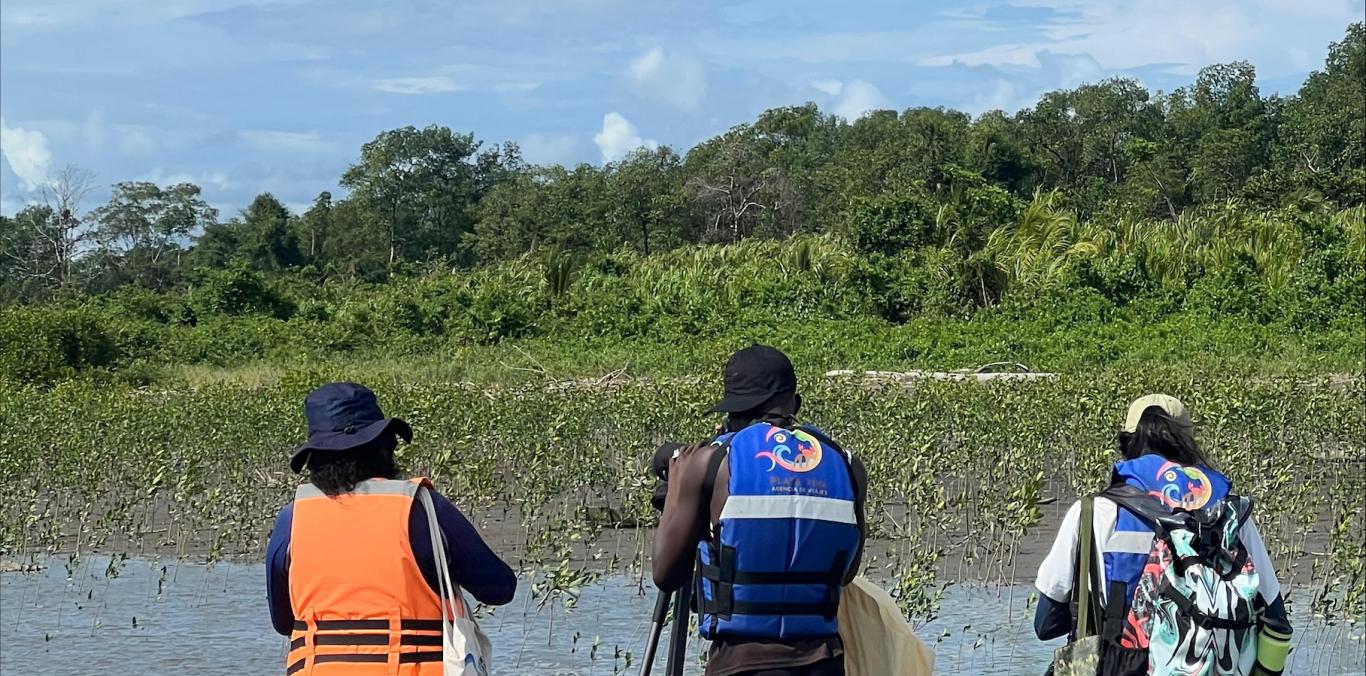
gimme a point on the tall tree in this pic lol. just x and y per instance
(268, 240)
(64, 195)
(1322, 140)
(736, 189)
(28, 266)
(1221, 126)
(422, 185)
(142, 229)
(646, 207)
(315, 224)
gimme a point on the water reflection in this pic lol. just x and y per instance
(167, 617)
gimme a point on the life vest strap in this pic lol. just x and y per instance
(715, 574)
(369, 625)
(373, 658)
(723, 577)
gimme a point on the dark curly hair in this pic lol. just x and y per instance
(338, 473)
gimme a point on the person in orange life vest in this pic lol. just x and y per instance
(351, 574)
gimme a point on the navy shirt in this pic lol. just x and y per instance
(474, 567)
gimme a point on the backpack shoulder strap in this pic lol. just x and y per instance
(1083, 595)
(1152, 513)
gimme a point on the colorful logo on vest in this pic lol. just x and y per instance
(1182, 487)
(794, 451)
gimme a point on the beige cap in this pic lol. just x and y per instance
(1171, 405)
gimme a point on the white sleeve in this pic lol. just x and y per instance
(1055, 572)
(1267, 584)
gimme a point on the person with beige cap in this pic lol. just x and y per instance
(1162, 471)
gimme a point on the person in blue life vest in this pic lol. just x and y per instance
(769, 514)
(1162, 459)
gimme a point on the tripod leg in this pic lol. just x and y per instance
(678, 634)
(656, 628)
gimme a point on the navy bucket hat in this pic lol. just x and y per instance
(343, 416)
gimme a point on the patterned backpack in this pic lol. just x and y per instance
(1193, 612)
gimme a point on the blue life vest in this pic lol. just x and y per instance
(1175, 486)
(788, 534)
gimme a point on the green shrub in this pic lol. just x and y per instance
(238, 290)
(43, 345)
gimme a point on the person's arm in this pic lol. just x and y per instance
(1268, 586)
(684, 520)
(474, 567)
(1052, 619)
(860, 476)
(1053, 616)
(277, 573)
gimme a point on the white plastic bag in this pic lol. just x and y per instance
(465, 649)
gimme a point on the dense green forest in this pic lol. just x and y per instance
(1105, 224)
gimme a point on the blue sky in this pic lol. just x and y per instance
(243, 97)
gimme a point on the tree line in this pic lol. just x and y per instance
(417, 200)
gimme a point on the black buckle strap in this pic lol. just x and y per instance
(351, 639)
(369, 625)
(296, 667)
(1198, 616)
(723, 577)
(403, 658)
(714, 574)
(822, 609)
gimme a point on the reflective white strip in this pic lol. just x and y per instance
(1130, 542)
(367, 487)
(788, 507)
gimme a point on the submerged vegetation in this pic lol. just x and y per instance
(961, 473)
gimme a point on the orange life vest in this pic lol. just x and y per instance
(361, 605)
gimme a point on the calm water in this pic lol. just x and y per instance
(167, 617)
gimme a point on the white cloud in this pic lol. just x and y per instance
(1133, 33)
(539, 148)
(93, 129)
(618, 137)
(291, 141)
(676, 80)
(35, 16)
(857, 99)
(9, 207)
(996, 55)
(418, 85)
(27, 154)
(137, 140)
(648, 66)
(506, 87)
(213, 179)
(828, 87)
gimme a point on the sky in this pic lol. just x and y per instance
(246, 96)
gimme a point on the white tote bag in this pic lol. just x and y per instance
(465, 649)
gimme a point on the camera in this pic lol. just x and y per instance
(659, 465)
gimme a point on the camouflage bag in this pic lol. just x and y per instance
(1081, 656)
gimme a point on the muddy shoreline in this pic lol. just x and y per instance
(996, 557)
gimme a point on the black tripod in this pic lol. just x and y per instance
(678, 635)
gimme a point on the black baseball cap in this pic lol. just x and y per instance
(753, 376)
